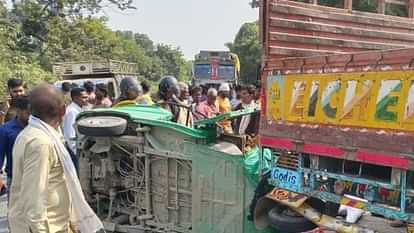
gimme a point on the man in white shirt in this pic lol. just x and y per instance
(79, 101)
(247, 124)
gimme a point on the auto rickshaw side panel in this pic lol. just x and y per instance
(221, 192)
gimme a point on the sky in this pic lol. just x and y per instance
(191, 25)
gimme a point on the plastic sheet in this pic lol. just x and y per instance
(252, 164)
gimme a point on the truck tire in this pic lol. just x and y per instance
(102, 126)
(279, 219)
(262, 188)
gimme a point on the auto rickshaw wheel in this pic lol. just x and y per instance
(287, 221)
(102, 126)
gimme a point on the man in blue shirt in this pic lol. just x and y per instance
(7, 110)
(8, 135)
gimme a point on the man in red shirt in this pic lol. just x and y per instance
(209, 108)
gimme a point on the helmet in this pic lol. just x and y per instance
(129, 84)
(168, 84)
(224, 87)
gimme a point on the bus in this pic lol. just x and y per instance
(211, 68)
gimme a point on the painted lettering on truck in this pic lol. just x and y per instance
(374, 99)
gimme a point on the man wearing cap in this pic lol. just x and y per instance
(224, 106)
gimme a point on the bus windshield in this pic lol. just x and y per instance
(226, 71)
(202, 71)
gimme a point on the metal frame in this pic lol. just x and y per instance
(103, 67)
(312, 191)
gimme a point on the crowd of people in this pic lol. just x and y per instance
(196, 103)
(38, 141)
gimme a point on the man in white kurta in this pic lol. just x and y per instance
(39, 196)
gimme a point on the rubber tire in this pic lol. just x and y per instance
(262, 188)
(102, 126)
(289, 224)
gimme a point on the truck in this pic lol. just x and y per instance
(211, 68)
(336, 115)
(340, 135)
(109, 72)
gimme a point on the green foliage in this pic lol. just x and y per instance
(35, 15)
(34, 37)
(172, 61)
(145, 42)
(13, 62)
(30, 72)
(3, 10)
(247, 46)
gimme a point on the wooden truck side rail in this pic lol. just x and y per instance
(396, 59)
(296, 29)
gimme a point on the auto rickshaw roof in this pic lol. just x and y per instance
(150, 115)
(157, 116)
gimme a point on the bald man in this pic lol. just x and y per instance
(209, 108)
(39, 196)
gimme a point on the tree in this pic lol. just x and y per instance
(3, 10)
(172, 61)
(35, 17)
(145, 42)
(13, 62)
(31, 41)
(246, 44)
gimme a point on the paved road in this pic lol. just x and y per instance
(381, 224)
(3, 214)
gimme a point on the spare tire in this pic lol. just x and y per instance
(102, 126)
(279, 219)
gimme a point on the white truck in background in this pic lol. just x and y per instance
(109, 72)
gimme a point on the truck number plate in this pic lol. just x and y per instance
(285, 178)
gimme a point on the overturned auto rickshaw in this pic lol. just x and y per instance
(142, 172)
